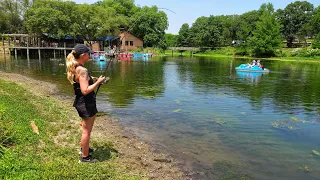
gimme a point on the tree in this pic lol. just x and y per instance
(183, 39)
(198, 31)
(171, 40)
(247, 24)
(149, 24)
(10, 16)
(293, 18)
(123, 7)
(94, 21)
(315, 21)
(207, 32)
(316, 43)
(53, 17)
(266, 37)
(230, 27)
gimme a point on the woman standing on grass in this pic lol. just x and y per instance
(85, 101)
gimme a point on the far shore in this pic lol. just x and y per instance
(295, 59)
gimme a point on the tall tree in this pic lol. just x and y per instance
(123, 7)
(293, 18)
(94, 21)
(247, 24)
(54, 17)
(184, 36)
(315, 21)
(198, 32)
(171, 40)
(10, 16)
(149, 24)
(266, 37)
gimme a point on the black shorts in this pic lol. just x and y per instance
(86, 106)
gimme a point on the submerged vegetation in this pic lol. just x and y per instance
(228, 170)
(288, 124)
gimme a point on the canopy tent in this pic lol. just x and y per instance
(108, 38)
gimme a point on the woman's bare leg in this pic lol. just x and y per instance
(86, 132)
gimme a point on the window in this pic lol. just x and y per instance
(127, 43)
(131, 43)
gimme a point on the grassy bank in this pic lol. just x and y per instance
(51, 154)
(286, 54)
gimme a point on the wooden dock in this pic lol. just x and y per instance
(31, 44)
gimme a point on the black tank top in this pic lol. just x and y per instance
(89, 98)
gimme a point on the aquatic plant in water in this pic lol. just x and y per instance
(295, 119)
(284, 124)
(316, 152)
(229, 170)
(288, 124)
(306, 169)
(219, 121)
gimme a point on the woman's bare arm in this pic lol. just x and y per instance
(84, 81)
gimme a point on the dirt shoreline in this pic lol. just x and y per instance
(138, 156)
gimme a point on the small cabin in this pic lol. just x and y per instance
(129, 42)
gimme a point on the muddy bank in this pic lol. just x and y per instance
(137, 156)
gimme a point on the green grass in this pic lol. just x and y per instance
(53, 154)
(230, 52)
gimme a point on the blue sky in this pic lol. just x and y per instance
(187, 11)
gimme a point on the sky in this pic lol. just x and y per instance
(187, 11)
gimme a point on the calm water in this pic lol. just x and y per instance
(223, 124)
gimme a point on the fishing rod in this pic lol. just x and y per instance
(104, 74)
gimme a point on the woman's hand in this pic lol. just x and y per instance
(101, 79)
(94, 79)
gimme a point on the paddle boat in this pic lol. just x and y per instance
(102, 57)
(140, 55)
(248, 68)
(99, 57)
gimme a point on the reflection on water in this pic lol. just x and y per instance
(223, 123)
(250, 77)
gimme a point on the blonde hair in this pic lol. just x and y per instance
(71, 64)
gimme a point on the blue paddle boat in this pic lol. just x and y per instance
(102, 57)
(248, 68)
(140, 55)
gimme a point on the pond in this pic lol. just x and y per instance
(219, 122)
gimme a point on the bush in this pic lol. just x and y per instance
(305, 52)
(224, 51)
(241, 51)
(280, 53)
(316, 43)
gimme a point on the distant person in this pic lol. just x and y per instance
(85, 100)
(253, 63)
(260, 65)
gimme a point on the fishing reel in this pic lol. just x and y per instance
(106, 80)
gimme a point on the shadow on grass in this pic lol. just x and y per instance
(104, 153)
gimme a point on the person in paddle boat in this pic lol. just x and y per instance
(85, 100)
(253, 63)
(260, 65)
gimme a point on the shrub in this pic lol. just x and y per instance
(305, 52)
(316, 43)
(241, 51)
